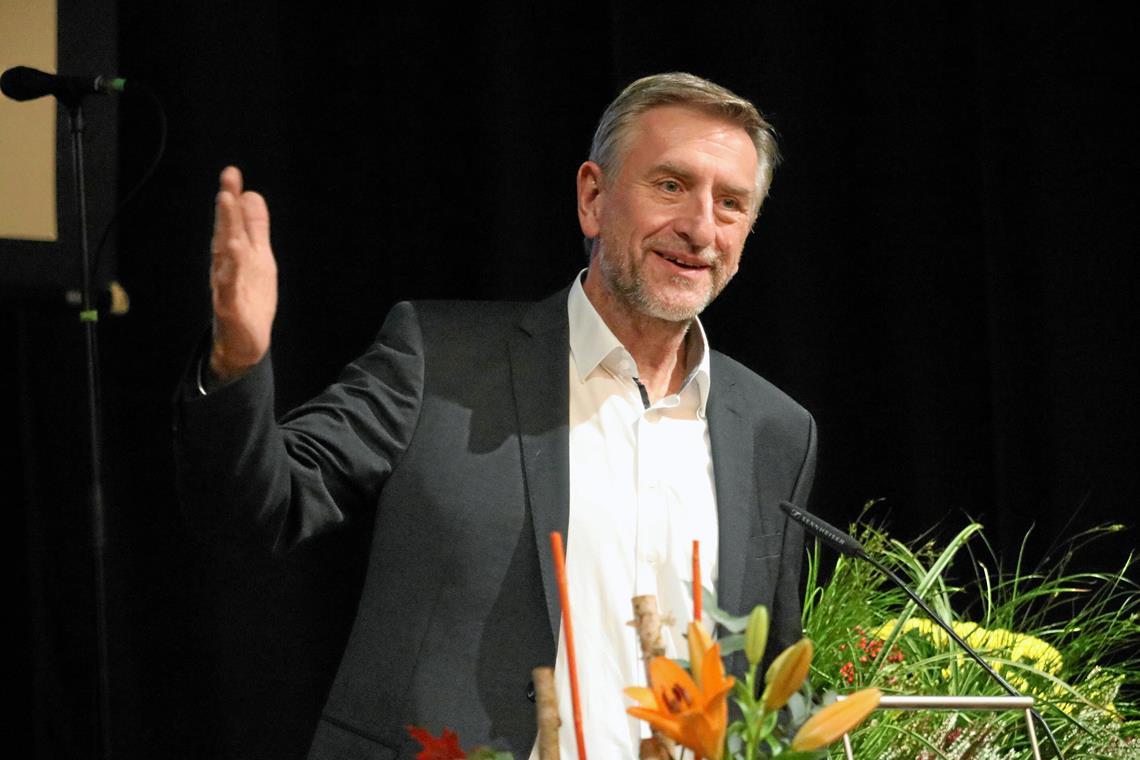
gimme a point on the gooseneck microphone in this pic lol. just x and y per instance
(846, 544)
(825, 532)
(24, 83)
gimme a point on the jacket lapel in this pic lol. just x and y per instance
(733, 468)
(539, 356)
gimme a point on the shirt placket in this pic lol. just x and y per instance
(652, 506)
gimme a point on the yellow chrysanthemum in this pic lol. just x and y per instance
(998, 642)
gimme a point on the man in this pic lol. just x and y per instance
(476, 429)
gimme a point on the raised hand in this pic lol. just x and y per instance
(243, 278)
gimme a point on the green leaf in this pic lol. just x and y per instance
(926, 580)
(797, 708)
(733, 623)
(735, 743)
(731, 644)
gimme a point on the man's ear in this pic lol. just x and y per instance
(590, 198)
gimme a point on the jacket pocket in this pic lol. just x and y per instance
(765, 545)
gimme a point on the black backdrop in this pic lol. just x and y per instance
(944, 274)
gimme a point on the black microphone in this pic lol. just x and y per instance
(845, 544)
(23, 83)
(829, 534)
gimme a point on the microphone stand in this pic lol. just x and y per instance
(88, 317)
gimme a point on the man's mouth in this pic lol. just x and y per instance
(683, 263)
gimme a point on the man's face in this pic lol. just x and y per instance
(672, 224)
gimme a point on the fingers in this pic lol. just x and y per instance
(240, 218)
(229, 227)
(255, 216)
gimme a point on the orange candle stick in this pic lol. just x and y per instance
(697, 581)
(568, 632)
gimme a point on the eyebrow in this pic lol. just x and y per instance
(668, 167)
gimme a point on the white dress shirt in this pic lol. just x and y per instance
(641, 491)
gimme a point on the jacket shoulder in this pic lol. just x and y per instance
(553, 307)
(732, 375)
(459, 319)
(465, 314)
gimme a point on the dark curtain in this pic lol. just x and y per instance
(944, 275)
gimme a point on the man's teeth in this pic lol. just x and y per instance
(680, 263)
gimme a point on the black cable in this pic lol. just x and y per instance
(141, 89)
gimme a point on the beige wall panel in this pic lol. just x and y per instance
(27, 130)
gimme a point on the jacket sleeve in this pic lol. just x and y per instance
(237, 467)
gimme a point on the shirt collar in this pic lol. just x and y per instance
(592, 344)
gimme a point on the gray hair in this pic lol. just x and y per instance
(677, 88)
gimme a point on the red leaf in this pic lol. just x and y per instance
(445, 747)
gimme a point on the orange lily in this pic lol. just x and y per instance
(836, 719)
(691, 715)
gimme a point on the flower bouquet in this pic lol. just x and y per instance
(1069, 639)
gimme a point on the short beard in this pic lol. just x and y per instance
(631, 289)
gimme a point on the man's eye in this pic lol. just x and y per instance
(671, 186)
(730, 203)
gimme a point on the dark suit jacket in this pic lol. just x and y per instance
(454, 427)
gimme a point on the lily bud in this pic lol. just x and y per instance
(787, 674)
(756, 635)
(835, 720)
(699, 643)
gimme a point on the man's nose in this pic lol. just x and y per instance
(696, 222)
